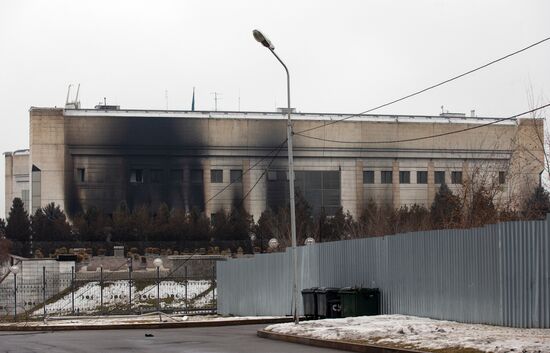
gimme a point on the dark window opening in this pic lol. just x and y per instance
(368, 177)
(439, 177)
(176, 176)
(386, 177)
(235, 175)
(456, 177)
(81, 174)
(136, 176)
(196, 176)
(422, 177)
(156, 176)
(216, 176)
(404, 177)
(271, 175)
(502, 178)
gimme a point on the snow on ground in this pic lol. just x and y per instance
(422, 333)
(88, 297)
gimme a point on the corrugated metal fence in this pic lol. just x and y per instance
(499, 274)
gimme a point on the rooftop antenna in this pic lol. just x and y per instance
(75, 104)
(68, 93)
(239, 99)
(216, 98)
(166, 97)
(76, 98)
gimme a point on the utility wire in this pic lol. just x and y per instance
(277, 149)
(427, 88)
(262, 175)
(496, 121)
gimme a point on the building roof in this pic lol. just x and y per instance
(146, 113)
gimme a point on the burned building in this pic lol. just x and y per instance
(81, 158)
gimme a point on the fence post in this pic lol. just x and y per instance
(44, 290)
(72, 289)
(130, 283)
(186, 302)
(101, 288)
(158, 289)
(15, 296)
(214, 286)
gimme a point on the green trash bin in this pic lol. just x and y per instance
(359, 301)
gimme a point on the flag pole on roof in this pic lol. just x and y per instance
(193, 101)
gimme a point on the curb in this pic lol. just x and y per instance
(341, 345)
(147, 326)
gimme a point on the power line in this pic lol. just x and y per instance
(277, 149)
(427, 88)
(496, 121)
(262, 175)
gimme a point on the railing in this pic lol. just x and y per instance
(50, 293)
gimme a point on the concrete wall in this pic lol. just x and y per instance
(108, 145)
(17, 183)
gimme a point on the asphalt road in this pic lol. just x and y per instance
(227, 339)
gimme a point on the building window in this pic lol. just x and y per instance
(386, 177)
(236, 175)
(81, 174)
(404, 177)
(271, 175)
(456, 177)
(156, 176)
(136, 176)
(439, 177)
(196, 176)
(216, 176)
(502, 178)
(422, 177)
(176, 176)
(368, 177)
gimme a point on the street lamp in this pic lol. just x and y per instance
(15, 270)
(158, 263)
(261, 38)
(273, 243)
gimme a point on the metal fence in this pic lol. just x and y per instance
(51, 293)
(499, 274)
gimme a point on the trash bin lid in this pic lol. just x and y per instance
(327, 290)
(309, 290)
(348, 290)
(369, 290)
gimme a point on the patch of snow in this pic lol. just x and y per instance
(172, 293)
(422, 333)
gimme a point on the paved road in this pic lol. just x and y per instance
(228, 339)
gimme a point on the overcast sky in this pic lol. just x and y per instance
(344, 56)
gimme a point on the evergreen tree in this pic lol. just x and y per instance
(445, 211)
(199, 225)
(482, 210)
(141, 224)
(50, 224)
(2, 228)
(265, 229)
(18, 227)
(91, 225)
(122, 225)
(538, 205)
(161, 224)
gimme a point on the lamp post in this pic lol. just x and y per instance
(158, 263)
(15, 270)
(267, 43)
